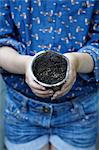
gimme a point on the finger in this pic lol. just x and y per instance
(71, 82)
(33, 84)
(42, 96)
(46, 92)
(65, 89)
(68, 88)
(61, 93)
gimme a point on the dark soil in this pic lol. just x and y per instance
(50, 67)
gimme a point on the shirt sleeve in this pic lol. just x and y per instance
(8, 31)
(92, 46)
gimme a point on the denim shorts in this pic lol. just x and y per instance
(38, 144)
(69, 125)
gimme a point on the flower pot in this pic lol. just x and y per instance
(49, 69)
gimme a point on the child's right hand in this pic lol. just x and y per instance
(36, 88)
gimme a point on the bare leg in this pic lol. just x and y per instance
(46, 147)
(52, 148)
(49, 147)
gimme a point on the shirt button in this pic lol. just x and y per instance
(46, 109)
(50, 19)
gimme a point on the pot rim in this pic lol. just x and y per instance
(45, 84)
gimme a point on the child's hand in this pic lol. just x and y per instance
(73, 61)
(36, 88)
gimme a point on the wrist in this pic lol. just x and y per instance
(24, 60)
(73, 59)
(85, 63)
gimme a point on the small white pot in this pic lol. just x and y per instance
(53, 86)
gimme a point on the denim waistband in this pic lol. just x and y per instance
(86, 101)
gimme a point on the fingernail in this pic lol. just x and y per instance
(51, 95)
(50, 92)
(43, 88)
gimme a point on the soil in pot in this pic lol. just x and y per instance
(49, 67)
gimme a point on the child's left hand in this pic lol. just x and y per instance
(71, 77)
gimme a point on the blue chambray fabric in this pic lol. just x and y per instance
(30, 26)
(72, 122)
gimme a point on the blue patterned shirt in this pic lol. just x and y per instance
(30, 26)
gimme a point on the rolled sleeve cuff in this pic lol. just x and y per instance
(20, 47)
(94, 52)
